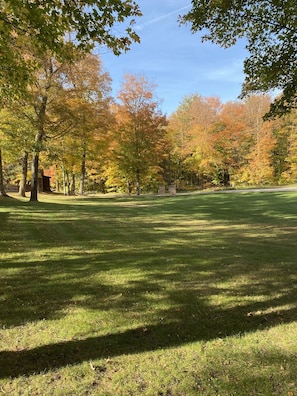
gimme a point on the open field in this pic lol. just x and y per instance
(185, 295)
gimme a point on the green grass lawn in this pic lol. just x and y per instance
(185, 295)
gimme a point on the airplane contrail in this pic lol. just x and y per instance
(159, 18)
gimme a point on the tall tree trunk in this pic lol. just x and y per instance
(64, 179)
(72, 187)
(83, 172)
(34, 183)
(129, 187)
(23, 182)
(57, 184)
(226, 177)
(138, 188)
(2, 189)
(169, 169)
(38, 142)
(67, 183)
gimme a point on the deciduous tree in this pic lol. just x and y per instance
(269, 28)
(259, 167)
(140, 132)
(43, 96)
(43, 25)
(190, 130)
(86, 109)
(285, 150)
(229, 141)
(65, 98)
(18, 135)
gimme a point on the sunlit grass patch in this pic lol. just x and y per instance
(179, 295)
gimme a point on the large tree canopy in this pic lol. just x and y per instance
(270, 28)
(45, 24)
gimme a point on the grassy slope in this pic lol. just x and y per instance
(178, 295)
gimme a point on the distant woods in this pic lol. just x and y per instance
(230, 144)
(73, 130)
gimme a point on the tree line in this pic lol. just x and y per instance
(69, 122)
(231, 144)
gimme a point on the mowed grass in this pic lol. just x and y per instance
(185, 295)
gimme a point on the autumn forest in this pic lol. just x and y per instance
(70, 128)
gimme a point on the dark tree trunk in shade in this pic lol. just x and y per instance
(2, 189)
(34, 183)
(138, 187)
(23, 182)
(83, 173)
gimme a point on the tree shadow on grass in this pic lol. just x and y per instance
(198, 266)
(193, 313)
(178, 330)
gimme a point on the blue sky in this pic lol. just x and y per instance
(175, 59)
